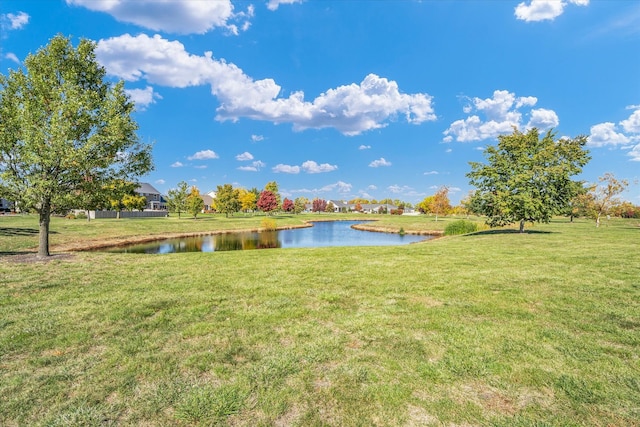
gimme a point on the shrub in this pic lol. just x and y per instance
(461, 226)
(81, 215)
(268, 224)
(397, 211)
(70, 216)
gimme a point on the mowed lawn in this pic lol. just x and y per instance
(496, 328)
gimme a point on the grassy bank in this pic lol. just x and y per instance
(495, 328)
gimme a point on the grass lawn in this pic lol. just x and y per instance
(496, 328)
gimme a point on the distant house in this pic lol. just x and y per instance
(155, 201)
(208, 202)
(339, 205)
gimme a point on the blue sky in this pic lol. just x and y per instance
(344, 99)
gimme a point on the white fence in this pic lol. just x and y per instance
(124, 214)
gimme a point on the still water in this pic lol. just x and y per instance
(330, 233)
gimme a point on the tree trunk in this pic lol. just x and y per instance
(43, 238)
(88, 215)
(522, 225)
(598, 220)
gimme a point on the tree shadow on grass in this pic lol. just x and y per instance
(15, 231)
(508, 231)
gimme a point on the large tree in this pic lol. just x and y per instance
(227, 199)
(177, 198)
(62, 125)
(527, 177)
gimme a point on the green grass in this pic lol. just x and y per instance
(495, 328)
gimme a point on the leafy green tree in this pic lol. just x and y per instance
(527, 178)
(177, 198)
(62, 125)
(195, 204)
(90, 198)
(227, 199)
(299, 205)
(118, 191)
(267, 202)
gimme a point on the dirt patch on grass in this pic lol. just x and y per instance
(32, 257)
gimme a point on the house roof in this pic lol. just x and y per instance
(146, 188)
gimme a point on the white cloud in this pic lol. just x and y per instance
(280, 168)
(380, 162)
(609, 135)
(605, 134)
(632, 124)
(12, 57)
(160, 181)
(308, 167)
(502, 113)
(257, 138)
(364, 147)
(143, 97)
(200, 166)
(182, 17)
(372, 187)
(177, 165)
(273, 4)
(397, 189)
(351, 109)
(244, 156)
(541, 10)
(542, 118)
(255, 166)
(203, 155)
(340, 187)
(312, 167)
(431, 173)
(12, 21)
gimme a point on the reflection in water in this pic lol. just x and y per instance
(334, 233)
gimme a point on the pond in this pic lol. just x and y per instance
(329, 233)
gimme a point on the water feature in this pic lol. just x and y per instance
(329, 233)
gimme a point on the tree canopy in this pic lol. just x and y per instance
(177, 198)
(227, 199)
(527, 178)
(195, 204)
(64, 130)
(267, 201)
